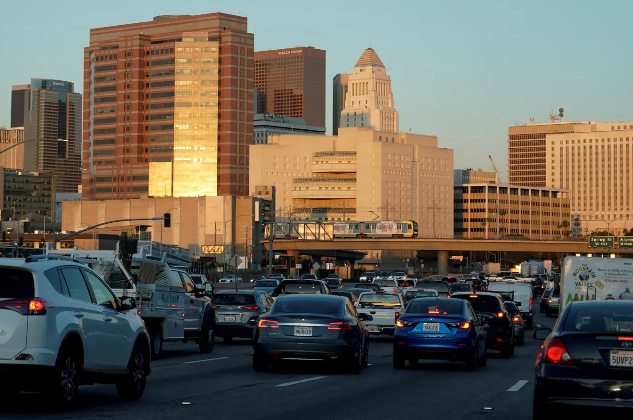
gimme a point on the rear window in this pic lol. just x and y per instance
(348, 295)
(406, 283)
(482, 303)
(372, 299)
(300, 288)
(417, 294)
(266, 283)
(232, 299)
(586, 319)
(357, 292)
(306, 306)
(332, 281)
(370, 286)
(434, 306)
(556, 293)
(384, 282)
(460, 287)
(443, 287)
(16, 284)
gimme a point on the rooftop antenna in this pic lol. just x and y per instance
(558, 117)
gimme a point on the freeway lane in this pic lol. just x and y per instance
(224, 386)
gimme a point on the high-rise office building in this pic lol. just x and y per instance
(168, 108)
(339, 91)
(50, 112)
(369, 101)
(291, 82)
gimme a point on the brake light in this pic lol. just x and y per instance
(27, 306)
(500, 315)
(399, 324)
(473, 296)
(625, 338)
(464, 325)
(530, 301)
(516, 319)
(434, 312)
(216, 307)
(555, 352)
(549, 301)
(397, 315)
(267, 323)
(250, 308)
(346, 326)
(395, 290)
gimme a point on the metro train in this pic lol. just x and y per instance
(312, 230)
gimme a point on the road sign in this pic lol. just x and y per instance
(316, 266)
(212, 249)
(601, 241)
(625, 242)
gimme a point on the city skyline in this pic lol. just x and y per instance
(485, 81)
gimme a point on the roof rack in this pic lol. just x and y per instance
(35, 258)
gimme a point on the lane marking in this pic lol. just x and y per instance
(520, 384)
(316, 378)
(204, 360)
(539, 326)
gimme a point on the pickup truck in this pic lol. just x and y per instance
(385, 308)
(388, 285)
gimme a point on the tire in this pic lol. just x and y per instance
(483, 358)
(260, 363)
(156, 341)
(356, 362)
(398, 360)
(227, 339)
(520, 340)
(529, 324)
(132, 385)
(207, 339)
(365, 360)
(63, 389)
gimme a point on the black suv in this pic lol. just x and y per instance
(496, 319)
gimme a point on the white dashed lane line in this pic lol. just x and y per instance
(301, 381)
(520, 384)
(204, 360)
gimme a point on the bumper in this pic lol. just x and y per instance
(381, 329)
(585, 392)
(235, 330)
(496, 339)
(435, 349)
(312, 350)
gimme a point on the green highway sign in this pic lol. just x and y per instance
(625, 242)
(601, 241)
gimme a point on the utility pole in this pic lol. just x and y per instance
(271, 234)
(434, 207)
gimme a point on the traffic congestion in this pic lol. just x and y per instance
(474, 346)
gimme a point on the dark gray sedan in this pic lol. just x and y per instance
(236, 312)
(266, 285)
(312, 328)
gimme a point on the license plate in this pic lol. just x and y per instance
(229, 318)
(621, 358)
(431, 326)
(373, 328)
(303, 331)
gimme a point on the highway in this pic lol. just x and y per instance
(223, 386)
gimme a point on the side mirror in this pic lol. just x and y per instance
(541, 333)
(128, 303)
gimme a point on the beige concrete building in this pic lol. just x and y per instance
(14, 158)
(195, 221)
(594, 161)
(473, 176)
(369, 100)
(361, 174)
(535, 213)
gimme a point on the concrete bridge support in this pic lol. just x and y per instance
(442, 263)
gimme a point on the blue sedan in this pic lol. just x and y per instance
(439, 329)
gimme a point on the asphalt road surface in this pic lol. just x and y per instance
(222, 385)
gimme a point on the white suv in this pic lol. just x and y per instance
(61, 326)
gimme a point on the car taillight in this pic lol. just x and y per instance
(625, 338)
(395, 290)
(266, 323)
(516, 319)
(473, 296)
(549, 301)
(397, 315)
(555, 352)
(216, 307)
(399, 324)
(500, 315)
(461, 325)
(250, 308)
(27, 306)
(346, 326)
(530, 301)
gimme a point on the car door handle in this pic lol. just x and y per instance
(107, 319)
(78, 315)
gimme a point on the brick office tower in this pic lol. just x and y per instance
(168, 108)
(291, 82)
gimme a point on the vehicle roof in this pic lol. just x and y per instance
(602, 305)
(310, 297)
(300, 281)
(494, 294)
(237, 292)
(357, 288)
(37, 265)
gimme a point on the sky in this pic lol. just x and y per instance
(462, 70)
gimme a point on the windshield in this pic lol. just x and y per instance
(585, 318)
(376, 300)
(234, 299)
(461, 287)
(332, 282)
(556, 293)
(266, 283)
(384, 273)
(482, 303)
(434, 306)
(300, 288)
(306, 306)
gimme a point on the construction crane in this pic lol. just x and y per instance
(496, 182)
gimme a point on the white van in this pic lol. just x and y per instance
(522, 296)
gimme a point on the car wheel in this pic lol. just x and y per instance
(529, 323)
(260, 363)
(483, 355)
(132, 385)
(520, 340)
(356, 362)
(365, 361)
(207, 339)
(156, 341)
(471, 363)
(227, 339)
(63, 390)
(398, 360)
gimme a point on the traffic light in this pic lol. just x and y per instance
(167, 220)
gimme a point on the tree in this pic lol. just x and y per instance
(564, 228)
(599, 232)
